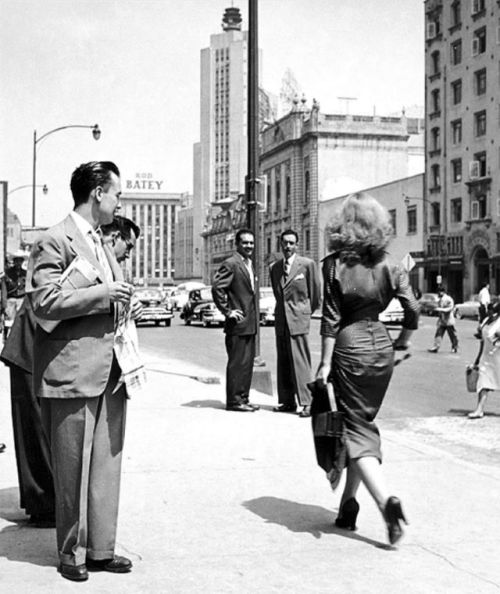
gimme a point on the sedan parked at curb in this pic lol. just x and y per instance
(467, 309)
(393, 313)
(200, 307)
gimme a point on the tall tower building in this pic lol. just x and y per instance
(462, 181)
(220, 158)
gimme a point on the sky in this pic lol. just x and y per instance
(133, 67)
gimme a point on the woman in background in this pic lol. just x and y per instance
(357, 353)
(489, 362)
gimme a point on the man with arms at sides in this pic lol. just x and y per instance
(297, 289)
(76, 374)
(233, 290)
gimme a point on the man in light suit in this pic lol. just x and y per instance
(76, 374)
(296, 287)
(233, 290)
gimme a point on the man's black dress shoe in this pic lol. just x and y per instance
(2, 447)
(116, 565)
(251, 404)
(240, 407)
(75, 573)
(305, 413)
(47, 520)
(285, 408)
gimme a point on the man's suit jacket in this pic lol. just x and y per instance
(74, 360)
(298, 297)
(232, 289)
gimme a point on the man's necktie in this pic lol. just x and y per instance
(248, 264)
(286, 268)
(101, 256)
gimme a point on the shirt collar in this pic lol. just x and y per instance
(291, 259)
(83, 225)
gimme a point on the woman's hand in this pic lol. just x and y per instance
(322, 374)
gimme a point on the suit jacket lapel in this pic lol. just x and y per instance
(80, 245)
(293, 269)
(113, 262)
(246, 273)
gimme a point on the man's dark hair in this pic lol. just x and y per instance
(241, 232)
(124, 226)
(290, 232)
(90, 175)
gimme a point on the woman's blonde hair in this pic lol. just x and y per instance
(361, 229)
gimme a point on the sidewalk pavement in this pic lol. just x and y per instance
(215, 501)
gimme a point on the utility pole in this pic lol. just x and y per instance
(262, 379)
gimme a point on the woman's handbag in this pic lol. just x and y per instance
(329, 433)
(471, 377)
(472, 371)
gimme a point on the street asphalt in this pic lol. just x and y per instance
(215, 501)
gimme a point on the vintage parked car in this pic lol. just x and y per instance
(428, 303)
(180, 295)
(200, 308)
(468, 309)
(155, 308)
(393, 313)
(267, 305)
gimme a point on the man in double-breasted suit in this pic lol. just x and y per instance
(296, 287)
(233, 290)
(76, 374)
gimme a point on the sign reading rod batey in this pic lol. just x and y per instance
(144, 181)
(408, 262)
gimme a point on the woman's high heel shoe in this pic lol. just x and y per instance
(393, 513)
(347, 514)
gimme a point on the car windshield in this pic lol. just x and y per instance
(429, 296)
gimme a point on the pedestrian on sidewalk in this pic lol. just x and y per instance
(357, 353)
(484, 301)
(76, 373)
(296, 287)
(445, 321)
(34, 469)
(233, 290)
(489, 360)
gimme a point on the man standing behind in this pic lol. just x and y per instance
(484, 301)
(233, 290)
(76, 374)
(296, 287)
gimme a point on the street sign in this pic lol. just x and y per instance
(408, 262)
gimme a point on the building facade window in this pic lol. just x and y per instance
(479, 41)
(288, 187)
(435, 139)
(435, 61)
(277, 185)
(307, 240)
(477, 167)
(456, 210)
(435, 176)
(436, 214)
(480, 123)
(435, 101)
(269, 192)
(478, 207)
(307, 181)
(456, 52)
(480, 81)
(411, 219)
(456, 13)
(456, 92)
(392, 214)
(456, 170)
(456, 131)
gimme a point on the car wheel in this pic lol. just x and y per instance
(157, 323)
(168, 323)
(458, 315)
(187, 322)
(204, 323)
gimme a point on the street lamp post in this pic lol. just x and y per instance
(407, 202)
(96, 133)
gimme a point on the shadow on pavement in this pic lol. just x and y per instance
(20, 541)
(205, 404)
(299, 517)
(461, 412)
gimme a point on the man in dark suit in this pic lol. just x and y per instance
(76, 374)
(233, 290)
(296, 287)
